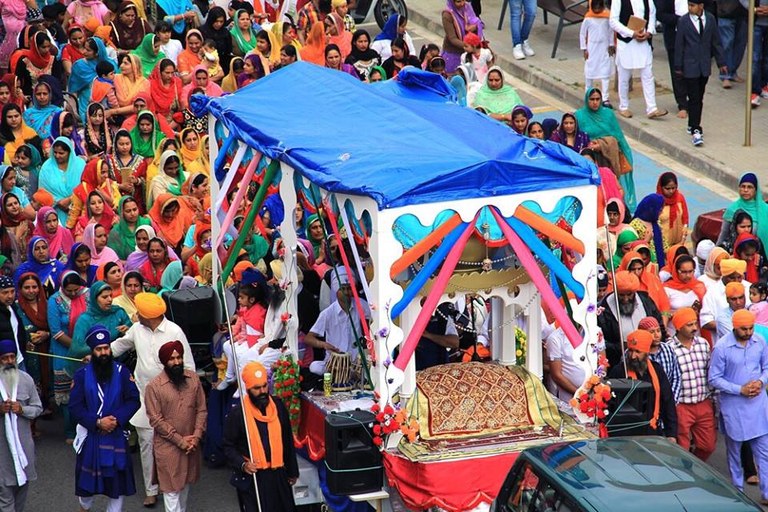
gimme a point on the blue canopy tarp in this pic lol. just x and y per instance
(347, 137)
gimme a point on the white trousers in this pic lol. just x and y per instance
(113, 505)
(176, 501)
(649, 87)
(605, 86)
(146, 438)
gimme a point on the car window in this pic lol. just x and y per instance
(523, 490)
(549, 499)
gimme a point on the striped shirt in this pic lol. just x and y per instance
(694, 364)
(667, 359)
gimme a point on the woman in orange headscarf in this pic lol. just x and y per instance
(339, 35)
(649, 282)
(683, 289)
(314, 49)
(172, 218)
(95, 177)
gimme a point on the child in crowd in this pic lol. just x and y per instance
(597, 41)
(211, 60)
(427, 53)
(758, 293)
(479, 57)
(521, 116)
(103, 89)
(697, 41)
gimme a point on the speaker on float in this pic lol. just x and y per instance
(194, 310)
(352, 461)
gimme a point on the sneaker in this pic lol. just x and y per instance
(755, 100)
(688, 130)
(607, 104)
(697, 138)
(764, 92)
(518, 53)
(527, 50)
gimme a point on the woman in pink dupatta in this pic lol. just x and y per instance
(338, 34)
(59, 239)
(201, 79)
(14, 16)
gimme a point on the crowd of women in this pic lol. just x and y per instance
(104, 175)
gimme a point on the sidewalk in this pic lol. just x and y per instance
(723, 156)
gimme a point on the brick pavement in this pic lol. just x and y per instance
(723, 156)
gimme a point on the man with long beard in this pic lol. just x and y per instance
(19, 405)
(633, 306)
(270, 456)
(176, 409)
(663, 417)
(146, 337)
(103, 400)
(739, 370)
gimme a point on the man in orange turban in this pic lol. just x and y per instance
(663, 416)
(629, 305)
(715, 306)
(736, 300)
(739, 370)
(695, 412)
(261, 417)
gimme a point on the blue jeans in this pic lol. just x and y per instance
(518, 9)
(733, 37)
(760, 59)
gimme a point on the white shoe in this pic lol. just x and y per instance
(698, 138)
(518, 53)
(527, 50)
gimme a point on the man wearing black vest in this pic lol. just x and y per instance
(633, 51)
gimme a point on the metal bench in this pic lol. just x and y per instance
(570, 12)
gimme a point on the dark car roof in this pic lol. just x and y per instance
(629, 474)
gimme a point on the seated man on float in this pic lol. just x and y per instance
(333, 331)
(439, 337)
(663, 412)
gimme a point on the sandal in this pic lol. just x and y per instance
(150, 501)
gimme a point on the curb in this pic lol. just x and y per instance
(717, 171)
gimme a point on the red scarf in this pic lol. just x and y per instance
(752, 274)
(654, 422)
(39, 316)
(672, 202)
(694, 285)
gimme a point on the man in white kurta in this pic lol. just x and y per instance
(633, 51)
(146, 337)
(19, 405)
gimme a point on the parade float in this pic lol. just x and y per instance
(447, 202)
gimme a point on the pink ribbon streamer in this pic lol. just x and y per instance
(409, 346)
(538, 278)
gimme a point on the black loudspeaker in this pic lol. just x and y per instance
(194, 310)
(631, 408)
(352, 460)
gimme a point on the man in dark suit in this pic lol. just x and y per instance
(698, 40)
